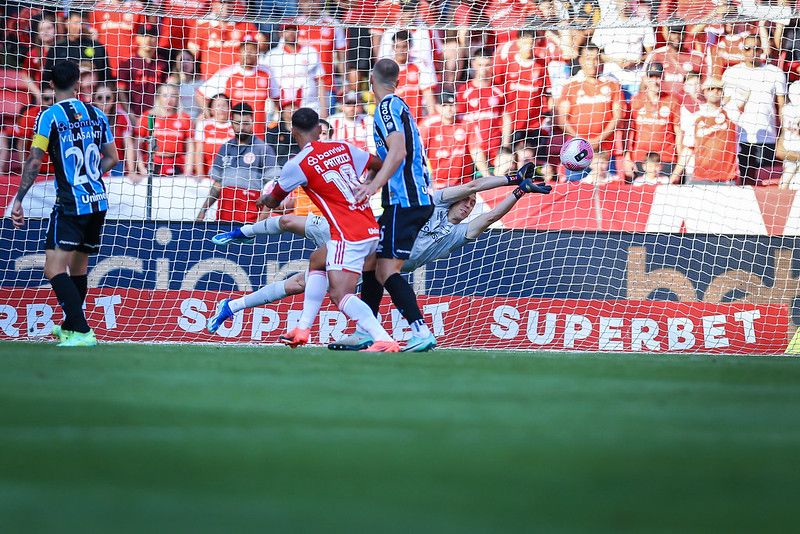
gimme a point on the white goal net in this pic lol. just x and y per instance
(680, 236)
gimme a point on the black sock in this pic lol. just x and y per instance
(82, 284)
(371, 291)
(403, 298)
(69, 299)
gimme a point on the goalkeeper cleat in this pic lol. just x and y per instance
(60, 333)
(234, 236)
(420, 344)
(296, 337)
(79, 339)
(383, 346)
(356, 341)
(222, 314)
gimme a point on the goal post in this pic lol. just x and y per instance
(679, 237)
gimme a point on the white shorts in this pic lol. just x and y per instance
(318, 230)
(347, 256)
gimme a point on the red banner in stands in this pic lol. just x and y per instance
(470, 322)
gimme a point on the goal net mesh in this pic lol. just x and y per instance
(679, 236)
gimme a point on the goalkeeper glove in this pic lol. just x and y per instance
(529, 186)
(529, 171)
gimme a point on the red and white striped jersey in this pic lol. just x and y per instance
(329, 173)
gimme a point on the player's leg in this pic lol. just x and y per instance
(344, 268)
(270, 226)
(227, 308)
(316, 287)
(69, 241)
(399, 229)
(371, 294)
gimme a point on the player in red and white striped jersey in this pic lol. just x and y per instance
(329, 173)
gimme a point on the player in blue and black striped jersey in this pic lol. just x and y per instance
(407, 202)
(80, 143)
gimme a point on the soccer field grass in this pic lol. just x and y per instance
(134, 438)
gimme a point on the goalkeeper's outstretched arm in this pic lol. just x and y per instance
(457, 192)
(479, 224)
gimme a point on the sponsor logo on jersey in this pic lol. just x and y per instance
(88, 199)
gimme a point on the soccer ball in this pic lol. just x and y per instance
(576, 154)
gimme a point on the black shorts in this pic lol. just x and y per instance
(75, 232)
(399, 229)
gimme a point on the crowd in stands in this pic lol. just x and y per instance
(660, 100)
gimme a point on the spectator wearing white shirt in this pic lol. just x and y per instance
(625, 47)
(788, 147)
(761, 88)
(298, 70)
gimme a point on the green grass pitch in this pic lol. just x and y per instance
(142, 438)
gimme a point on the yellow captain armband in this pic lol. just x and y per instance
(41, 142)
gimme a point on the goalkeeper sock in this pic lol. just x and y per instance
(355, 308)
(265, 295)
(70, 300)
(405, 301)
(316, 288)
(81, 282)
(371, 291)
(269, 226)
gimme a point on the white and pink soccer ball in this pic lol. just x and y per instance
(576, 154)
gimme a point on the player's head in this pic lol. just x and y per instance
(306, 126)
(326, 130)
(590, 60)
(385, 74)
(48, 96)
(65, 76)
(460, 210)
(242, 122)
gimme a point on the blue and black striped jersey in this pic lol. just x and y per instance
(74, 133)
(410, 184)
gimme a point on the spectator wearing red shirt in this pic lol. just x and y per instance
(655, 125)
(446, 144)
(481, 103)
(140, 75)
(677, 63)
(212, 133)
(247, 82)
(45, 34)
(105, 98)
(216, 41)
(115, 23)
(352, 125)
(590, 107)
(174, 138)
(715, 143)
(416, 82)
(17, 138)
(526, 85)
(318, 29)
(178, 21)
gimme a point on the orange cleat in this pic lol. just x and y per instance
(296, 337)
(383, 346)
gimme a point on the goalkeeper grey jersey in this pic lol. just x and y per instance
(438, 238)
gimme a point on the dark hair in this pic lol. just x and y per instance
(216, 97)
(305, 119)
(386, 71)
(402, 35)
(327, 126)
(483, 52)
(65, 75)
(242, 108)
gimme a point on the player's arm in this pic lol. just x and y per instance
(395, 154)
(30, 170)
(482, 222)
(291, 178)
(109, 158)
(457, 192)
